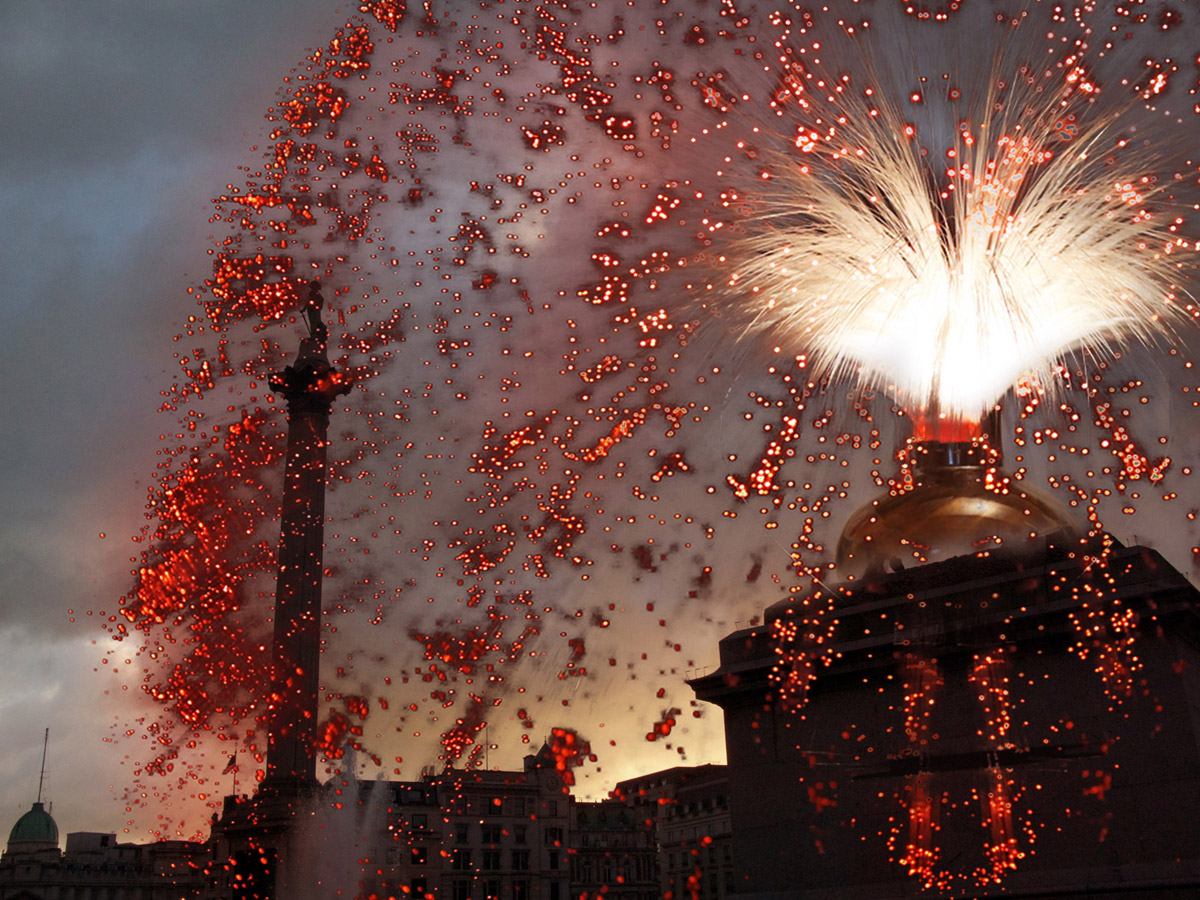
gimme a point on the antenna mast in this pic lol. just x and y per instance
(42, 775)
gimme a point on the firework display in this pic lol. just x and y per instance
(638, 301)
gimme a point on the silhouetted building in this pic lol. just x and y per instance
(1025, 725)
(95, 866)
(696, 841)
(506, 835)
(459, 834)
(613, 852)
(688, 808)
(363, 837)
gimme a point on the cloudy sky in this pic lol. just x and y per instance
(121, 122)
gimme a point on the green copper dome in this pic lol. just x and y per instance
(35, 827)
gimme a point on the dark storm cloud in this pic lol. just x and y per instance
(98, 80)
(120, 120)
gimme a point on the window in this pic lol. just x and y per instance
(554, 859)
(420, 820)
(554, 891)
(552, 837)
(493, 834)
(491, 889)
(520, 860)
(462, 890)
(460, 860)
(552, 807)
(462, 833)
(491, 859)
(519, 834)
(417, 885)
(520, 889)
(419, 856)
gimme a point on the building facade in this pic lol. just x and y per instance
(1025, 726)
(95, 866)
(688, 808)
(505, 834)
(613, 852)
(453, 835)
(461, 834)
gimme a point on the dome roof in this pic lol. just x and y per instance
(955, 500)
(35, 827)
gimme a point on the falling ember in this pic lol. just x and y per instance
(548, 233)
(568, 750)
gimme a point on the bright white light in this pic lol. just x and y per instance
(1032, 234)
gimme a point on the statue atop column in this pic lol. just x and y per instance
(317, 329)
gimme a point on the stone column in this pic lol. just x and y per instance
(310, 387)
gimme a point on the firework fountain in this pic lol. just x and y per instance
(572, 268)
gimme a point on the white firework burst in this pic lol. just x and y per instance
(948, 268)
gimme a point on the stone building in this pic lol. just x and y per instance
(613, 852)
(505, 834)
(688, 807)
(459, 834)
(94, 865)
(696, 841)
(1024, 724)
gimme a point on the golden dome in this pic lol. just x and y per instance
(951, 498)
